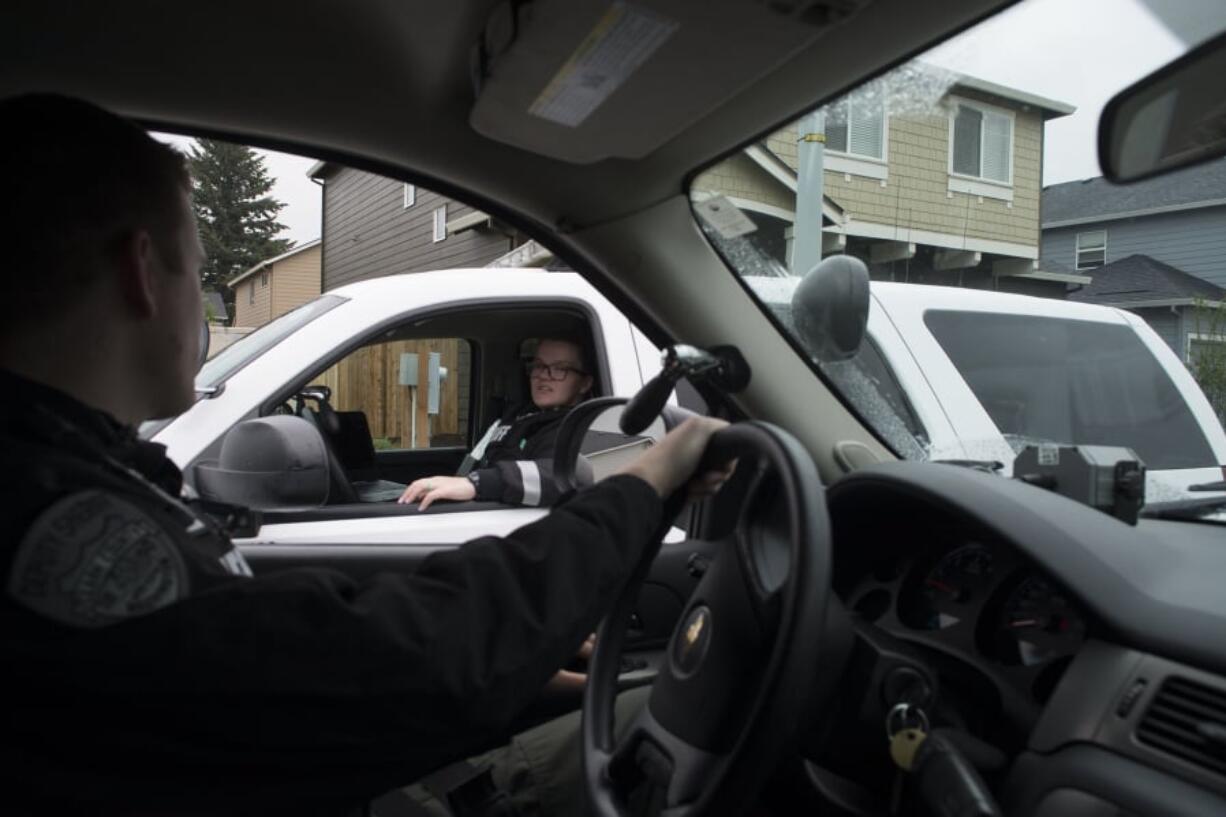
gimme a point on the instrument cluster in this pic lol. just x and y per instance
(979, 602)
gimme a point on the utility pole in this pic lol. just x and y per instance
(807, 229)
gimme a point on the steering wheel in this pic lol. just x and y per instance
(756, 651)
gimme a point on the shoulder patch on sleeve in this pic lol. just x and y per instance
(93, 559)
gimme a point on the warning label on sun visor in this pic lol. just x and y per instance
(622, 41)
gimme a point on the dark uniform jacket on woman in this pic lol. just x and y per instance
(149, 672)
(516, 466)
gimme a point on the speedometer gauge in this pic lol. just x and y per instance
(950, 591)
(1039, 623)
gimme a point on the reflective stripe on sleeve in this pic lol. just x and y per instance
(531, 476)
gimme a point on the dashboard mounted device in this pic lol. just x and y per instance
(1108, 478)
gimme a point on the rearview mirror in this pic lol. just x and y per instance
(1172, 118)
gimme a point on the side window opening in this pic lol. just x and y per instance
(401, 407)
(413, 394)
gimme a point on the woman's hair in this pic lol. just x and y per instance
(580, 342)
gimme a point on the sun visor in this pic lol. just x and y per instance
(587, 80)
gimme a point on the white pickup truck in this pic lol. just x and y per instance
(426, 361)
(965, 374)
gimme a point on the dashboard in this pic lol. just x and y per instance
(1088, 651)
(985, 615)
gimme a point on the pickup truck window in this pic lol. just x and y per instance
(1072, 382)
(411, 393)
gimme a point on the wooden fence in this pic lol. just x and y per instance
(369, 381)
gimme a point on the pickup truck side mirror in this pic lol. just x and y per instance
(269, 463)
(830, 308)
(205, 337)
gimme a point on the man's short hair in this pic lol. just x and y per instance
(77, 180)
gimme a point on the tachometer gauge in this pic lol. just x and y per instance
(1039, 623)
(952, 586)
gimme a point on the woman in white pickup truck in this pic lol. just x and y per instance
(513, 463)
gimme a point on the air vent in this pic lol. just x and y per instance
(1187, 720)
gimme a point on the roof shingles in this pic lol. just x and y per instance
(1140, 279)
(1099, 199)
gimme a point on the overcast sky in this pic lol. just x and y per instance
(1081, 52)
(1076, 51)
(302, 196)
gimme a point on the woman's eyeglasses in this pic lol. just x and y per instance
(556, 371)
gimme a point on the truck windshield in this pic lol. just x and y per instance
(229, 360)
(1072, 382)
(238, 354)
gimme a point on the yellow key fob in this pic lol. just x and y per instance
(904, 745)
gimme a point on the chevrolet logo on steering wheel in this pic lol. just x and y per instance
(691, 642)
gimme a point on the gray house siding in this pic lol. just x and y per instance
(368, 232)
(1168, 324)
(1191, 240)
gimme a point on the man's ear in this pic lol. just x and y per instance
(136, 270)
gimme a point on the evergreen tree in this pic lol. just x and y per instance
(236, 214)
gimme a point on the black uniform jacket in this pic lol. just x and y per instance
(517, 465)
(147, 674)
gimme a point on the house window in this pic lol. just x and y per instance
(410, 195)
(263, 279)
(857, 129)
(251, 294)
(1091, 249)
(982, 143)
(440, 223)
(1206, 351)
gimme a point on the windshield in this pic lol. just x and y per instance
(238, 354)
(966, 181)
(1065, 381)
(241, 352)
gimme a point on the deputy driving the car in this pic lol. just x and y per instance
(149, 671)
(514, 460)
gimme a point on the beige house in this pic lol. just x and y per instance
(943, 193)
(274, 287)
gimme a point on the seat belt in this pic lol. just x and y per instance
(473, 457)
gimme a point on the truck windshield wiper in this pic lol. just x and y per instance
(1220, 485)
(1183, 508)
